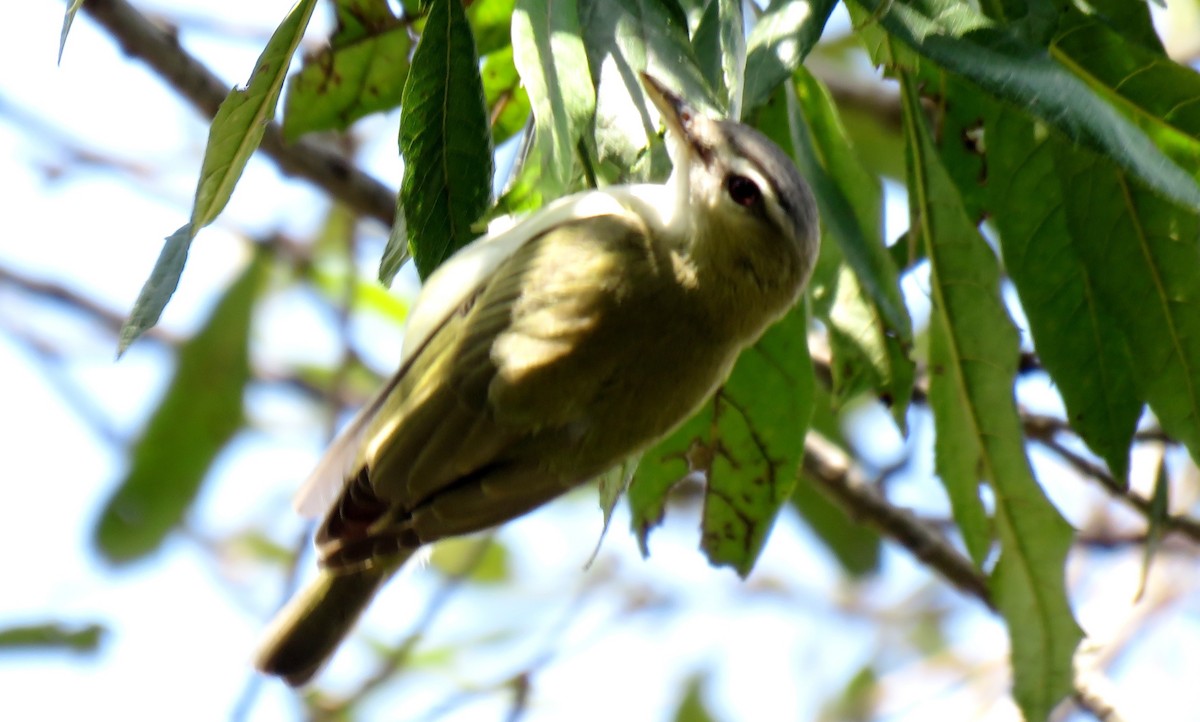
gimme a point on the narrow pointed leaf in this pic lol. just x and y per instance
(973, 364)
(158, 289)
(242, 118)
(232, 138)
(68, 19)
(444, 140)
(549, 54)
(198, 415)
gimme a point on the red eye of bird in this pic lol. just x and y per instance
(743, 191)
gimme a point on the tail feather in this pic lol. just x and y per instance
(307, 631)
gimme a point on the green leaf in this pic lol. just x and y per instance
(362, 71)
(691, 707)
(198, 415)
(720, 44)
(973, 364)
(1143, 255)
(51, 636)
(856, 546)
(1076, 337)
(964, 42)
(1159, 508)
(748, 441)
(479, 559)
(869, 325)
(779, 42)
(1156, 93)
(508, 103)
(549, 54)
(68, 19)
(242, 118)
(232, 138)
(490, 24)
(158, 289)
(444, 140)
(623, 37)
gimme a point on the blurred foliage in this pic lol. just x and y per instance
(1065, 126)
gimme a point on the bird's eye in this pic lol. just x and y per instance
(742, 190)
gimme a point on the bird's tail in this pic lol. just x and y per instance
(305, 633)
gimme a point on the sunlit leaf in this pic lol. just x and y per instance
(549, 54)
(361, 71)
(624, 37)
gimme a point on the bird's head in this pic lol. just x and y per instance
(742, 197)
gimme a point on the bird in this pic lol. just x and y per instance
(540, 356)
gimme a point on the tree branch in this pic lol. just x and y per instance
(833, 472)
(160, 49)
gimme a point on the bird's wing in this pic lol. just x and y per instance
(446, 290)
(454, 447)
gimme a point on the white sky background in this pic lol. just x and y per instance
(180, 641)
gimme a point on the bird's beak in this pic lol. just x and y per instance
(681, 118)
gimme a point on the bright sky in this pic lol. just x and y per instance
(180, 640)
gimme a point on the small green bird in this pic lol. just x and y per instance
(539, 357)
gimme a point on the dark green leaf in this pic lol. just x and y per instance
(1156, 93)
(778, 44)
(444, 140)
(720, 43)
(973, 364)
(549, 54)
(1142, 254)
(200, 412)
(964, 42)
(158, 289)
(747, 441)
(362, 71)
(1076, 338)
(51, 636)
